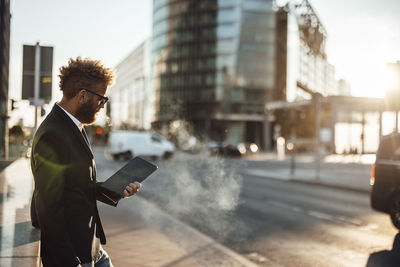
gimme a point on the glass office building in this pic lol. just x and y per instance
(213, 64)
(216, 63)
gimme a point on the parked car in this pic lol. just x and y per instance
(247, 148)
(385, 178)
(223, 149)
(128, 144)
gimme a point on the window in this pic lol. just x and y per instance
(159, 3)
(210, 79)
(255, 5)
(226, 15)
(156, 138)
(209, 33)
(226, 61)
(160, 41)
(226, 46)
(226, 3)
(160, 27)
(161, 13)
(226, 31)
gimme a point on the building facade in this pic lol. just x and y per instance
(215, 63)
(5, 18)
(131, 98)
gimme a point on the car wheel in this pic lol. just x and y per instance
(395, 211)
(167, 155)
(128, 155)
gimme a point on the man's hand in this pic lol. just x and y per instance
(132, 189)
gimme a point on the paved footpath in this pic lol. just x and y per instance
(349, 172)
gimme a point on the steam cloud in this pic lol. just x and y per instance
(200, 190)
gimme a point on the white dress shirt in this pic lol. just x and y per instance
(75, 120)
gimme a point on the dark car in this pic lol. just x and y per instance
(223, 149)
(385, 178)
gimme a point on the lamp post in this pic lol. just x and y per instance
(317, 107)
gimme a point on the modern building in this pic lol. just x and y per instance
(5, 18)
(131, 101)
(216, 63)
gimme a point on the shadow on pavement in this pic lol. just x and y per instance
(18, 234)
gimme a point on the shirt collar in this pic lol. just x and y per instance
(75, 120)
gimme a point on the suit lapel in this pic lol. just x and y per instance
(74, 129)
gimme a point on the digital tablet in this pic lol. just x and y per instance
(137, 169)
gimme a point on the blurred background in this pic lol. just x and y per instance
(229, 71)
(264, 116)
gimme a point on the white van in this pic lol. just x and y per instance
(128, 144)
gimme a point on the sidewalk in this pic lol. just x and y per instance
(143, 235)
(138, 233)
(340, 171)
(19, 245)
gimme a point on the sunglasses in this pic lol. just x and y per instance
(103, 99)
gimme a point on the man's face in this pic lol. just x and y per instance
(87, 112)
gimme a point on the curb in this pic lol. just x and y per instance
(342, 187)
(310, 182)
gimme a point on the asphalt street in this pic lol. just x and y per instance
(268, 220)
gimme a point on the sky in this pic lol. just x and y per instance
(99, 29)
(363, 36)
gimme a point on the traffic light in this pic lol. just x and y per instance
(99, 130)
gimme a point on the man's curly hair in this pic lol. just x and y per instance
(83, 73)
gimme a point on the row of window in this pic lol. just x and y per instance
(187, 65)
(222, 48)
(182, 7)
(167, 81)
(200, 94)
(183, 22)
(162, 10)
(199, 81)
(220, 3)
(198, 19)
(226, 64)
(257, 5)
(224, 31)
(257, 36)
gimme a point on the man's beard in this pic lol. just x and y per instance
(86, 113)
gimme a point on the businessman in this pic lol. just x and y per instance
(64, 199)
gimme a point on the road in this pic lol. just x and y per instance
(269, 221)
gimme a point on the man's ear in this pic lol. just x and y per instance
(81, 96)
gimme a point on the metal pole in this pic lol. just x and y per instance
(36, 84)
(317, 141)
(267, 134)
(363, 133)
(293, 141)
(380, 125)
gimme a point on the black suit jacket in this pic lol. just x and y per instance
(64, 198)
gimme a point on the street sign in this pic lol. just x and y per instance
(46, 71)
